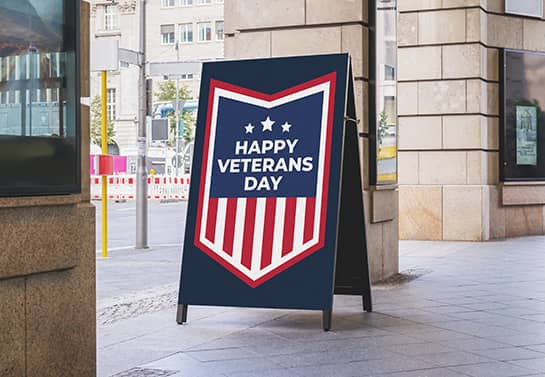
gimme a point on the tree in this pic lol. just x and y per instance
(167, 92)
(382, 126)
(96, 123)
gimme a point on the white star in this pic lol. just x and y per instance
(249, 128)
(267, 124)
(286, 127)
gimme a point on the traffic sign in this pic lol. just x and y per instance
(275, 140)
(159, 129)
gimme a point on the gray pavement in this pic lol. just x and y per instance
(460, 309)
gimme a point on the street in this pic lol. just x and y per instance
(166, 224)
(129, 274)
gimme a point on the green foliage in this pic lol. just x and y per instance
(167, 92)
(382, 126)
(96, 123)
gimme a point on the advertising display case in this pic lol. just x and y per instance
(522, 115)
(39, 98)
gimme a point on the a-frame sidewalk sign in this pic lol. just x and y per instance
(275, 216)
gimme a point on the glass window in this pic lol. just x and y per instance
(167, 34)
(531, 8)
(202, 2)
(389, 72)
(39, 98)
(383, 114)
(111, 101)
(186, 33)
(522, 116)
(205, 31)
(168, 3)
(111, 17)
(219, 30)
(186, 3)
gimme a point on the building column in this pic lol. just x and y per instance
(449, 126)
(306, 27)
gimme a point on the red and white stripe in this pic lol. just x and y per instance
(258, 234)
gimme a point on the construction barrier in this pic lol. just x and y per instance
(123, 187)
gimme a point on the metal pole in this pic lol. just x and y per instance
(104, 178)
(177, 124)
(177, 111)
(141, 174)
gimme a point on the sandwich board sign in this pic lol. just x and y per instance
(275, 216)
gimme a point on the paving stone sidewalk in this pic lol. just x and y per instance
(463, 309)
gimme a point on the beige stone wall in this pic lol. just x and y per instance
(264, 28)
(449, 120)
(47, 274)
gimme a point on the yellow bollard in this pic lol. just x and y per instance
(104, 177)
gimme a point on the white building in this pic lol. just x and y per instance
(185, 30)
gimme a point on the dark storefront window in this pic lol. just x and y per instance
(523, 116)
(382, 83)
(39, 109)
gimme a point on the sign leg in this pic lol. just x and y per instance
(181, 316)
(367, 300)
(326, 319)
(352, 264)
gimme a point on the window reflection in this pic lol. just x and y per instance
(38, 101)
(31, 68)
(386, 76)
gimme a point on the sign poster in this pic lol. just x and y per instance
(526, 135)
(263, 213)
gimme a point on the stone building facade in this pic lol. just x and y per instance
(176, 30)
(263, 28)
(449, 122)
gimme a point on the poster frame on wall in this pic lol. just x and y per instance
(519, 83)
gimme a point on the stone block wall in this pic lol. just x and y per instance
(264, 28)
(449, 121)
(47, 273)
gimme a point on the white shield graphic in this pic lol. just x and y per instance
(255, 236)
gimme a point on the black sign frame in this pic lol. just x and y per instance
(341, 265)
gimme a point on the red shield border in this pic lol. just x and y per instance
(215, 84)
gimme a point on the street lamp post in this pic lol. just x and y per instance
(177, 109)
(141, 170)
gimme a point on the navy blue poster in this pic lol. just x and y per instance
(263, 211)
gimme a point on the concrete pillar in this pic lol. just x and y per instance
(47, 273)
(264, 28)
(449, 122)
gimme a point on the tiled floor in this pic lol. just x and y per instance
(478, 311)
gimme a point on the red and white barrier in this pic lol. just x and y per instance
(123, 187)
